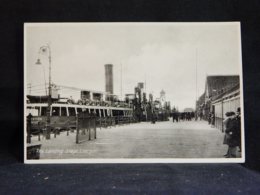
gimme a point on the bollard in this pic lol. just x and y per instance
(77, 129)
(29, 120)
(39, 133)
(95, 133)
(108, 122)
(89, 127)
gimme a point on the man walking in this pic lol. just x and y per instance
(238, 129)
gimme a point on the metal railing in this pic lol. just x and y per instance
(85, 127)
(33, 150)
(105, 122)
(84, 123)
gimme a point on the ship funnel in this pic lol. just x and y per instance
(109, 78)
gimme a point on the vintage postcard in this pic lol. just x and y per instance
(133, 93)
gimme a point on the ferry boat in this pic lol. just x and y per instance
(63, 114)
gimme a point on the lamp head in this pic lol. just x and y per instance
(38, 62)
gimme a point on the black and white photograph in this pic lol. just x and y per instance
(133, 93)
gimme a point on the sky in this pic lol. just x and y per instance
(165, 56)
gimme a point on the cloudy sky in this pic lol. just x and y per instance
(161, 54)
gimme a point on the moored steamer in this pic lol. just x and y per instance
(63, 116)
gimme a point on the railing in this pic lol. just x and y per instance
(122, 120)
(86, 127)
(84, 124)
(106, 122)
(33, 150)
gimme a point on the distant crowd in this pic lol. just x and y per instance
(182, 116)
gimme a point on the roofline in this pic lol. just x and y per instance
(213, 75)
(227, 75)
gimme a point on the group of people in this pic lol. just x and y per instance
(232, 129)
(184, 116)
(232, 138)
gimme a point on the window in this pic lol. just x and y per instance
(121, 112)
(102, 113)
(44, 111)
(97, 112)
(63, 111)
(72, 111)
(79, 110)
(55, 111)
(114, 112)
(92, 111)
(35, 111)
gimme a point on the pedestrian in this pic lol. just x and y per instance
(226, 137)
(175, 116)
(153, 118)
(201, 115)
(238, 128)
(209, 118)
(232, 135)
(212, 119)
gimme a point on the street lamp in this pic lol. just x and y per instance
(47, 50)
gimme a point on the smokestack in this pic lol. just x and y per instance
(109, 78)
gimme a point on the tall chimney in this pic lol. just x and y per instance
(109, 78)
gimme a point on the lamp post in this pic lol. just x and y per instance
(43, 50)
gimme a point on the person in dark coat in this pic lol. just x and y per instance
(232, 136)
(226, 137)
(209, 118)
(153, 119)
(238, 126)
(201, 116)
(212, 119)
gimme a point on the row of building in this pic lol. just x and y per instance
(221, 95)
